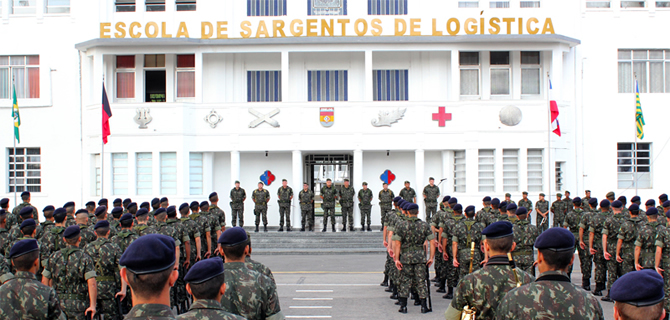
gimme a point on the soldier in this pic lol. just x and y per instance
(126, 236)
(237, 198)
(610, 233)
(4, 205)
(410, 257)
(466, 235)
(90, 208)
(526, 203)
(165, 202)
(206, 283)
(495, 209)
(155, 204)
(447, 227)
(346, 196)
(365, 205)
(15, 231)
(306, 198)
(610, 196)
(115, 223)
(662, 261)
(662, 198)
(205, 227)
(624, 209)
(217, 212)
(408, 194)
(328, 195)
(215, 228)
(170, 230)
(628, 233)
(190, 228)
(537, 300)
(23, 297)
(483, 289)
(385, 201)
(585, 200)
(101, 214)
(639, 295)
(261, 198)
(596, 225)
(542, 214)
(558, 208)
(430, 194)
(440, 263)
(150, 276)
(584, 225)
(445, 203)
(142, 228)
(567, 202)
(87, 236)
(249, 294)
(4, 234)
(661, 215)
(645, 244)
(53, 240)
(48, 213)
(13, 218)
(105, 255)
(508, 198)
(117, 203)
(69, 211)
(71, 272)
(573, 223)
(126, 203)
(392, 274)
(642, 212)
(484, 215)
(284, 198)
(524, 235)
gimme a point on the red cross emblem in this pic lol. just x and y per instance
(441, 117)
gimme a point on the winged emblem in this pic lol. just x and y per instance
(388, 117)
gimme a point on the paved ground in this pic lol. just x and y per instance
(347, 287)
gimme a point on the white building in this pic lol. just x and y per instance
(214, 67)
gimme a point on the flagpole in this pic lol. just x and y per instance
(14, 134)
(547, 85)
(635, 146)
(102, 156)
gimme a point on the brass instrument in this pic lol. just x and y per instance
(470, 313)
(472, 255)
(513, 265)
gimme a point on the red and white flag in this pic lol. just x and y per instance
(106, 114)
(553, 106)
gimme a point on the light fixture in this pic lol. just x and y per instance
(388, 153)
(266, 153)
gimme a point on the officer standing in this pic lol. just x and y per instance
(542, 214)
(585, 200)
(525, 235)
(628, 233)
(572, 223)
(538, 299)
(610, 236)
(106, 256)
(508, 198)
(558, 209)
(596, 225)
(347, 194)
(639, 295)
(430, 194)
(408, 194)
(567, 202)
(328, 195)
(645, 244)
(284, 198)
(306, 197)
(261, 198)
(385, 201)
(237, 198)
(526, 203)
(365, 205)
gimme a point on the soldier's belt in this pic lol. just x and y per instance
(105, 278)
(522, 253)
(72, 296)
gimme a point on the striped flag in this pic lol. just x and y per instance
(553, 106)
(106, 114)
(15, 115)
(639, 118)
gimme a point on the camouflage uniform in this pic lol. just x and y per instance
(526, 204)
(112, 230)
(150, 311)
(204, 225)
(407, 194)
(524, 235)
(237, 197)
(4, 238)
(385, 202)
(466, 232)
(261, 209)
(23, 297)
(191, 229)
(206, 310)
(259, 267)
(558, 208)
(365, 205)
(646, 240)
(663, 242)
(573, 222)
(249, 293)
(596, 225)
(44, 254)
(217, 212)
(392, 219)
(214, 228)
(87, 236)
(485, 216)
(306, 209)
(5, 272)
(143, 229)
(15, 232)
(440, 263)
(537, 300)
(347, 204)
(13, 218)
(585, 204)
(448, 227)
(431, 193)
(485, 288)
(124, 238)
(106, 255)
(70, 221)
(329, 195)
(543, 206)
(611, 229)
(284, 196)
(52, 242)
(69, 269)
(628, 234)
(412, 236)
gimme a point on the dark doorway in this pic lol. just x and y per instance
(319, 167)
(154, 87)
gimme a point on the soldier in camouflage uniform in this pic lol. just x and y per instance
(391, 273)
(4, 206)
(15, 231)
(440, 269)
(4, 234)
(205, 230)
(105, 255)
(69, 211)
(573, 222)
(257, 266)
(216, 211)
(48, 213)
(410, 257)
(101, 215)
(526, 203)
(215, 228)
(192, 248)
(142, 227)
(87, 236)
(171, 230)
(467, 232)
(558, 208)
(628, 233)
(328, 195)
(585, 200)
(484, 216)
(206, 282)
(115, 216)
(71, 272)
(306, 198)
(13, 218)
(567, 203)
(261, 198)
(237, 198)
(28, 231)
(484, 289)
(365, 205)
(123, 239)
(537, 300)
(430, 194)
(542, 214)
(90, 208)
(249, 293)
(284, 198)
(407, 193)
(385, 197)
(611, 231)
(53, 240)
(447, 226)
(596, 225)
(645, 244)
(662, 260)
(23, 296)
(524, 235)
(346, 196)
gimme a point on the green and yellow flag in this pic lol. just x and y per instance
(15, 115)
(639, 118)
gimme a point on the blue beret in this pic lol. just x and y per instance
(446, 199)
(652, 211)
(503, 205)
(155, 201)
(666, 204)
(593, 201)
(171, 210)
(100, 210)
(26, 193)
(413, 206)
(470, 209)
(617, 204)
(27, 223)
(132, 205)
(486, 199)
(90, 203)
(576, 200)
(639, 288)
(164, 199)
(453, 200)
(521, 211)
(650, 202)
(126, 216)
(60, 211)
(117, 210)
(212, 195)
(145, 204)
(4, 201)
(634, 207)
(204, 270)
(635, 199)
(498, 230)
(182, 206)
(194, 204)
(556, 239)
(511, 207)
(71, 232)
(605, 203)
(204, 204)
(27, 210)
(458, 207)
(149, 254)
(663, 197)
(101, 224)
(22, 247)
(127, 201)
(117, 200)
(68, 204)
(102, 201)
(396, 199)
(81, 211)
(622, 199)
(495, 201)
(141, 212)
(233, 236)
(159, 211)
(405, 205)
(48, 208)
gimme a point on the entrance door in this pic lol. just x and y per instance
(319, 168)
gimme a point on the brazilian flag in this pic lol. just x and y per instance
(15, 115)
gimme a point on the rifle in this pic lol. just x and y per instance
(173, 292)
(470, 313)
(472, 255)
(513, 265)
(118, 304)
(430, 301)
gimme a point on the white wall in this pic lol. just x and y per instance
(252, 166)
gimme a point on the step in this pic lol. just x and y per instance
(312, 251)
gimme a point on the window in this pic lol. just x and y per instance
(119, 173)
(25, 170)
(168, 173)
(327, 7)
(57, 6)
(25, 73)
(500, 73)
(535, 174)
(390, 85)
(327, 85)
(597, 4)
(529, 4)
(186, 5)
(263, 86)
(125, 77)
(559, 175)
(530, 72)
(468, 4)
(510, 170)
(97, 165)
(144, 164)
(185, 76)
(469, 64)
(634, 165)
(154, 77)
(459, 171)
(195, 173)
(23, 6)
(125, 5)
(256, 8)
(499, 4)
(155, 5)
(632, 4)
(387, 7)
(663, 4)
(487, 170)
(651, 68)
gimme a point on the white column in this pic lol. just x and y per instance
(516, 73)
(447, 186)
(285, 93)
(40, 8)
(368, 76)
(156, 172)
(297, 186)
(234, 167)
(419, 162)
(208, 173)
(132, 173)
(556, 74)
(139, 76)
(183, 174)
(455, 90)
(485, 74)
(357, 179)
(107, 177)
(199, 72)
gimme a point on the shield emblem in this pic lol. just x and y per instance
(327, 116)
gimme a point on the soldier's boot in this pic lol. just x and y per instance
(607, 297)
(265, 228)
(324, 227)
(403, 305)
(351, 228)
(371, 229)
(256, 228)
(385, 283)
(302, 229)
(450, 294)
(599, 289)
(424, 306)
(281, 229)
(344, 229)
(441, 284)
(390, 287)
(395, 293)
(362, 227)
(288, 229)
(417, 301)
(586, 285)
(333, 228)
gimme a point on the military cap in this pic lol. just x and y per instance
(495, 201)
(103, 202)
(182, 206)
(117, 200)
(155, 201)
(556, 239)
(397, 199)
(101, 224)
(622, 199)
(634, 207)
(605, 203)
(663, 197)
(60, 212)
(503, 206)
(145, 204)
(204, 204)
(81, 211)
(486, 199)
(118, 210)
(326, 180)
(650, 202)
(142, 212)
(635, 199)
(71, 232)
(127, 201)
(68, 204)
(453, 200)
(25, 211)
(566, 191)
(214, 194)
(149, 254)
(194, 204)
(100, 210)
(132, 205)
(469, 209)
(413, 206)
(237, 181)
(542, 194)
(90, 203)
(511, 207)
(508, 194)
(27, 223)
(458, 207)
(233, 236)
(666, 204)
(576, 200)
(525, 192)
(25, 194)
(521, 211)
(639, 288)
(498, 229)
(431, 178)
(127, 216)
(446, 198)
(406, 181)
(405, 205)
(164, 199)
(559, 194)
(171, 210)
(4, 202)
(652, 211)
(610, 194)
(345, 179)
(159, 211)
(365, 183)
(305, 183)
(593, 201)
(204, 270)
(48, 208)
(22, 247)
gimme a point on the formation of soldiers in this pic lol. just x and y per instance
(99, 263)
